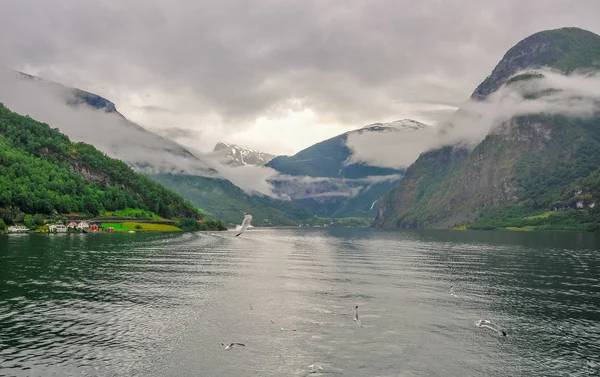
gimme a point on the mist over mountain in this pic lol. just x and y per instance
(344, 175)
(86, 117)
(342, 156)
(90, 118)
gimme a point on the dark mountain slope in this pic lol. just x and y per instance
(527, 165)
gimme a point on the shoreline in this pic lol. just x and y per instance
(107, 225)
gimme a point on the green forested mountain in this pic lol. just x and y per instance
(537, 171)
(42, 171)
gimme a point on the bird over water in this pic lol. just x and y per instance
(245, 223)
(489, 325)
(356, 316)
(231, 345)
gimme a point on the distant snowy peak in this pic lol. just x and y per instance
(237, 155)
(398, 125)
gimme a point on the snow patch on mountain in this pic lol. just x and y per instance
(237, 155)
(397, 125)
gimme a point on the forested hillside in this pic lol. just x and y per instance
(42, 171)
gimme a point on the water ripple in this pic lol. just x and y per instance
(159, 305)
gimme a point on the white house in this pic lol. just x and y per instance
(83, 225)
(17, 229)
(57, 228)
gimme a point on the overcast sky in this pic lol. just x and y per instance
(275, 75)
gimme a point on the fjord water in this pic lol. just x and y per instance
(161, 304)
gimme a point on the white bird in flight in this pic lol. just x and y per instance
(315, 368)
(452, 291)
(489, 325)
(245, 223)
(356, 316)
(231, 345)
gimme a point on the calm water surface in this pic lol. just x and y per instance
(161, 304)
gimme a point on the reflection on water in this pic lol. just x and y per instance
(161, 304)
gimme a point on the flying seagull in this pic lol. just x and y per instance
(489, 325)
(231, 345)
(245, 223)
(356, 316)
(452, 291)
(315, 368)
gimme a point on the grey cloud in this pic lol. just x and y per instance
(305, 179)
(178, 132)
(155, 109)
(250, 178)
(351, 60)
(109, 132)
(119, 138)
(304, 187)
(352, 192)
(396, 149)
(577, 95)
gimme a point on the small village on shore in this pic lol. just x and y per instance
(72, 227)
(98, 226)
(106, 223)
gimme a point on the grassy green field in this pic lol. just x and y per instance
(131, 213)
(127, 226)
(518, 219)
